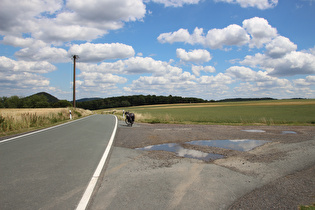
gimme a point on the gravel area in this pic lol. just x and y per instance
(287, 192)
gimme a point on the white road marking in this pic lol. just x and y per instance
(90, 188)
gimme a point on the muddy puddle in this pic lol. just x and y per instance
(239, 145)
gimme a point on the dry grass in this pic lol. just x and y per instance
(21, 120)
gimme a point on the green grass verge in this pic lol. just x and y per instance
(278, 112)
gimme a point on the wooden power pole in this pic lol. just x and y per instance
(74, 58)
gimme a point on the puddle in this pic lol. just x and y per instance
(239, 145)
(182, 152)
(289, 132)
(255, 131)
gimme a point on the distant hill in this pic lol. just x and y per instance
(244, 99)
(87, 99)
(50, 98)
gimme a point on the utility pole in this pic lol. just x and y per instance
(74, 58)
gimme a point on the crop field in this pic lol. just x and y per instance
(14, 121)
(273, 112)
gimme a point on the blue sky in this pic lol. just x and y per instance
(210, 49)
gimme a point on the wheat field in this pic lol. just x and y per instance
(21, 120)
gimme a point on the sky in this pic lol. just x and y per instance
(209, 49)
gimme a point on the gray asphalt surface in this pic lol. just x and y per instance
(51, 169)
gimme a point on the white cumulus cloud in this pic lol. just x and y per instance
(279, 47)
(293, 63)
(260, 30)
(176, 3)
(89, 52)
(229, 36)
(260, 4)
(197, 69)
(196, 56)
(9, 65)
(58, 21)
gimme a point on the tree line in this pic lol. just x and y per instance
(34, 101)
(45, 100)
(136, 100)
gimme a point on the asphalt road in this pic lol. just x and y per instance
(51, 169)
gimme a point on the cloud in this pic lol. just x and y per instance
(196, 56)
(20, 16)
(215, 38)
(182, 35)
(260, 78)
(279, 47)
(229, 36)
(176, 3)
(9, 65)
(21, 81)
(22, 42)
(17, 76)
(242, 73)
(50, 54)
(115, 10)
(56, 22)
(309, 80)
(255, 32)
(57, 33)
(258, 84)
(98, 52)
(260, 4)
(133, 65)
(137, 65)
(197, 69)
(163, 84)
(96, 81)
(162, 79)
(293, 63)
(260, 30)
(216, 81)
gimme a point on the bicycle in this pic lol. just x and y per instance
(130, 118)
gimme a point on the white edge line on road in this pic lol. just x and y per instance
(90, 188)
(45, 129)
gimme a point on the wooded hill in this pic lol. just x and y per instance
(38, 100)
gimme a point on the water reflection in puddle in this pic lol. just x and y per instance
(255, 131)
(239, 145)
(182, 152)
(289, 132)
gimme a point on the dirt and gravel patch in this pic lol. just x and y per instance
(286, 192)
(142, 135)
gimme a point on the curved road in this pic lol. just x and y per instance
(51, 169)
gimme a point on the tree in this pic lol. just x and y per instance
(12, 102)
(62, 103)
(125, 103)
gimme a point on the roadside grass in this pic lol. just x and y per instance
(310, 207)
(273, 112)
(13, 121)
